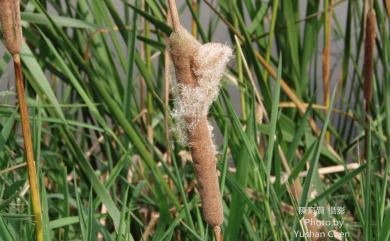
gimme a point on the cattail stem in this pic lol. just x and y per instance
(326, 56)
(167, 84)
(326, 51)
(218, 233)
(174, 15)
(28, 147)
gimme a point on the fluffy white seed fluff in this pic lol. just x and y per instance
(208, 66)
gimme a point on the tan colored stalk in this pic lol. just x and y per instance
(319, 107)
(174, 15)
(198, 69)
(326, 52)
(326, 56)
(28, 149)
(151, 226)
(167, 84)
(12, 33)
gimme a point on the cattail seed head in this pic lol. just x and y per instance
(369, 46)
(198, 70)
(11, 25)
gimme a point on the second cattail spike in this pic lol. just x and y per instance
(11, 25)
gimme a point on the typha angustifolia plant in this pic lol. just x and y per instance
(12, 35)
(198, 70)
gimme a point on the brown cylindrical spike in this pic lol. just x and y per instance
(183, 48)
(11, 25)
(369, 46)
(203, 154)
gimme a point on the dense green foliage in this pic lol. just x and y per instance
(109, 164)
